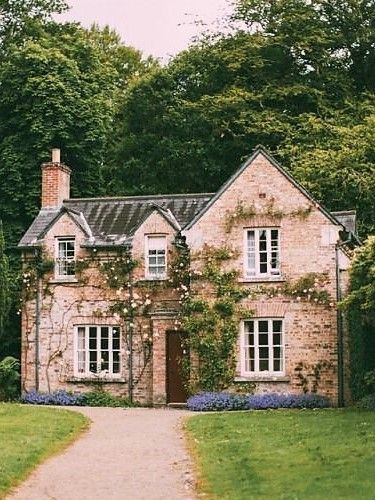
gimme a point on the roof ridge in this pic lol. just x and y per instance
(140, 197)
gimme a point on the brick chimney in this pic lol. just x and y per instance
(55, 181)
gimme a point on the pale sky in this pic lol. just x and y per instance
(157, 27)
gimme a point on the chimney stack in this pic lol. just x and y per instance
(55, 181)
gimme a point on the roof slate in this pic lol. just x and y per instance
(115, 220)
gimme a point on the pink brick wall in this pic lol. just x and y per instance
(310, 330)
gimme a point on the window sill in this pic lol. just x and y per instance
(93, 380)
(258, 378)
(156, 278)
(60, 281)
(263, 279)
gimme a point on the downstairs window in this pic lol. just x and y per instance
(97, 351)
(262, 347)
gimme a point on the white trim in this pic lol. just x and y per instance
(244, 350)
(152, 276)
(276, 273)
(87, 374)
(58, 240)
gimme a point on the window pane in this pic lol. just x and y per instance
(81, 361)
(115, 332)
(276, 325)
(276, 339)
(156, 242)
(263, 326)
(277, 365)
(249, 326)
(116, 344)
(276, 352)
(263, 365)
(93, 362)
(263, 339)
(263, 352)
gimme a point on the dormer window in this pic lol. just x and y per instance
(65, 257)
(262, 252)
(156, 257)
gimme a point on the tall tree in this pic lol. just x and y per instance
(5, 299)
(60, 90)
(285, 81)
(24, 18)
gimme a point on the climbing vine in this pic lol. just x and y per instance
(211, 307)
(245, 213)
(209, 315)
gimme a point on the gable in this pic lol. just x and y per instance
(261, 169)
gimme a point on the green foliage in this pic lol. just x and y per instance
(369, 380)
(211, 324)
(367, 402)
(21, 19)
(103, 398)
(5, 299)
(9, 378)
(297, 78)
(360, 307)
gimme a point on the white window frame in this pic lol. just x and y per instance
(246, 370)
(148, 274)
(255, 272)
(64, 261)
(87, 373)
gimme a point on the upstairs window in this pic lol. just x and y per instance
(262, 252)
(65, 257)
(156, 257)
(98, 351)
(262, 347)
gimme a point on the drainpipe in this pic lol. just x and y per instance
(340, 347)
(130, 339)
(37, 326)
(340, 327)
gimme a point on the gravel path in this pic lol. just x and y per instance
(126, 454)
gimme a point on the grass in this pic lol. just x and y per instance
(28, 435)
(288, 454)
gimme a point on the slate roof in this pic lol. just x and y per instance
(113, 221)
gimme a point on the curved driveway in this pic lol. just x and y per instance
(126, 454)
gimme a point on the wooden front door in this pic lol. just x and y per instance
(175, 388)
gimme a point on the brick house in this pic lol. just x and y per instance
(84, 323)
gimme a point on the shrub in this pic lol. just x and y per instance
(60, 398)
(102, 398)
(9, 378)
(367, 403)
(219, 401)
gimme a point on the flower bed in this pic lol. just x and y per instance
(63, 398)
(220, 401)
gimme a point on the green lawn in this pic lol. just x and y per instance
(285, 454)
(29, 434)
